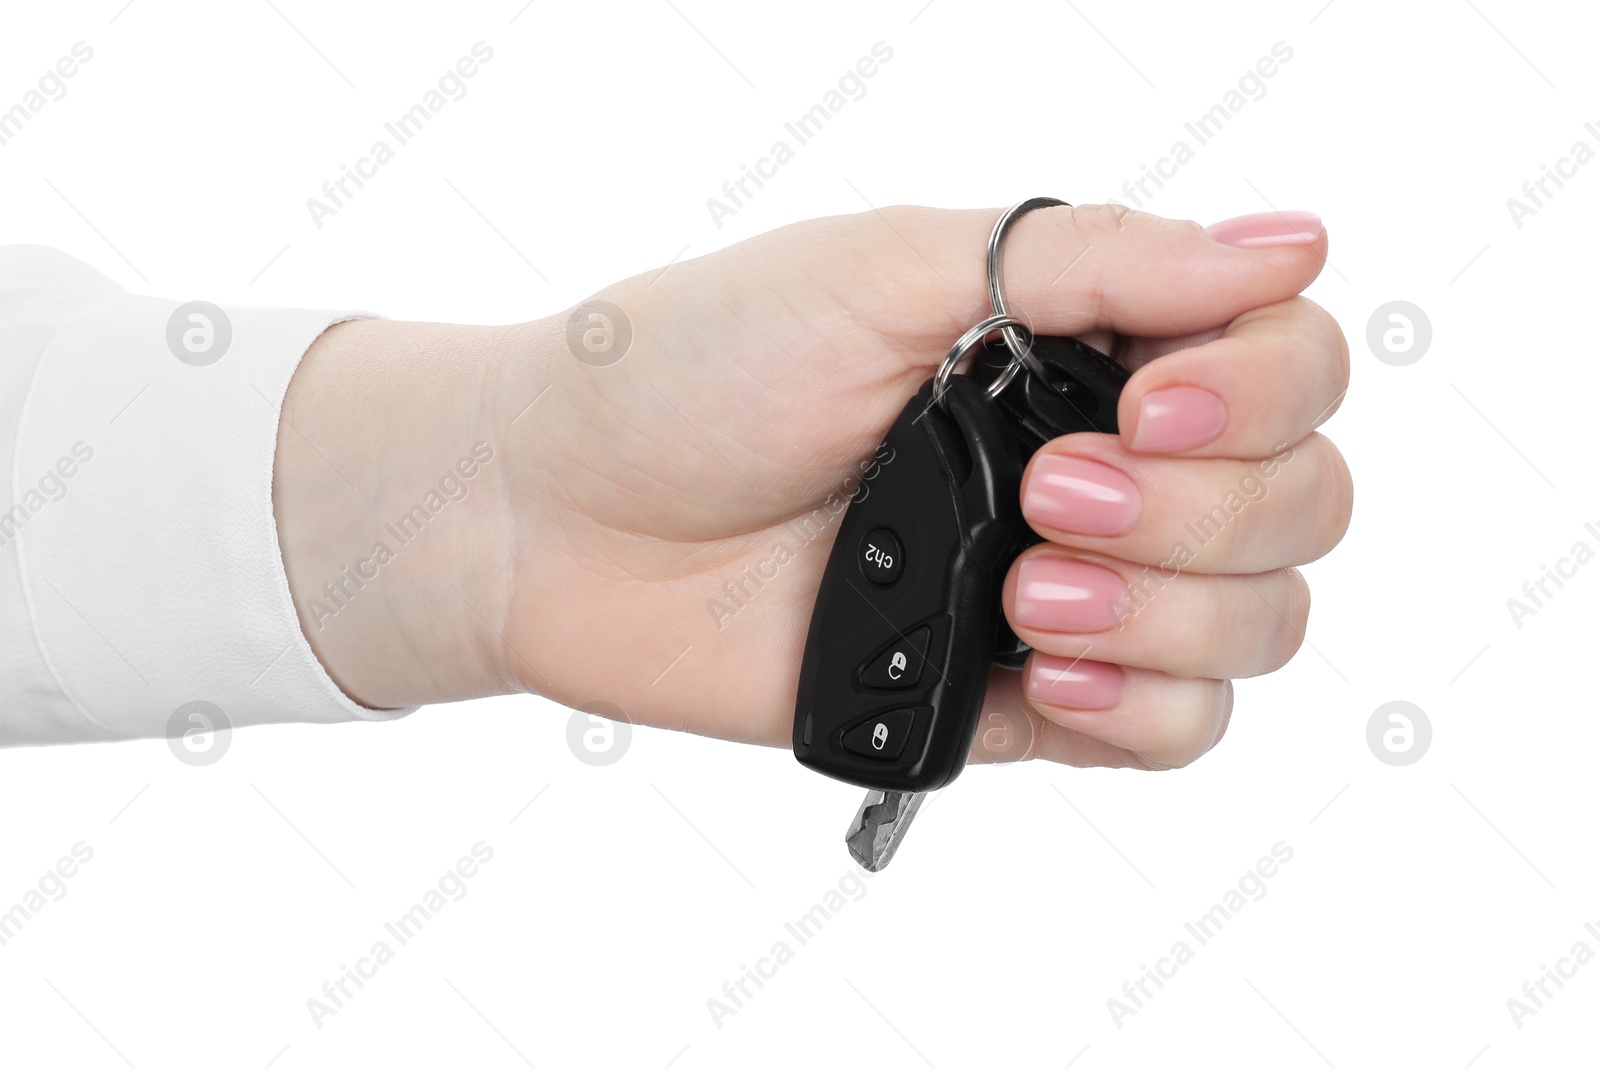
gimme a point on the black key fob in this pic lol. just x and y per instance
(898, 654)
(908, 621)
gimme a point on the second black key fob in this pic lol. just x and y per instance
(1078, 390)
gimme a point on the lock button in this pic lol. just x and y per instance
(899, 665)
(882, 737)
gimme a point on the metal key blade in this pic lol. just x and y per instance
(880, 824)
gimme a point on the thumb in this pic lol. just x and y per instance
(1072, 270)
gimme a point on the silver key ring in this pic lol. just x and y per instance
(971, 340)
(1021, 352)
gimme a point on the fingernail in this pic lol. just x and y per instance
(1069, 595)
(1076, 684)
(1178, 418)
(1080, 496)
(1267, 229)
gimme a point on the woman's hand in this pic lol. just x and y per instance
(633, 537)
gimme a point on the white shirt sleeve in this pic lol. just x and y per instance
(139, 560)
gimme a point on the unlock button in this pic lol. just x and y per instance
(900, 664)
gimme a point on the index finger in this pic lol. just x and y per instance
(1274, 376)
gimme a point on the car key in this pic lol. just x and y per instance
(897, 655)
(908, 618)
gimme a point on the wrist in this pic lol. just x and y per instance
(392, 511)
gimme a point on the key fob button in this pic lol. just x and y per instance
(882, 737)
(900, 665)
(881, 556)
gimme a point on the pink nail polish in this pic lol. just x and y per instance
(1267, 229)
(1075, 684)
(1067, 595)
(1080, 496)
(1178, 418)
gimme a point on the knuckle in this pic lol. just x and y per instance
(1218, 642)
(1091, 230)
(1222, 699)
(1330, 339)
(1297, 595)
(1340, 346)
(1098, 219)
(1287, 613)
(1103, 220)
(1334, 488)
(1304, 515)
(1197, 728)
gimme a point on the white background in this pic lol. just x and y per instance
(1419, 898)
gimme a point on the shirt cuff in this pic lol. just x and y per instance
(152, 572)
